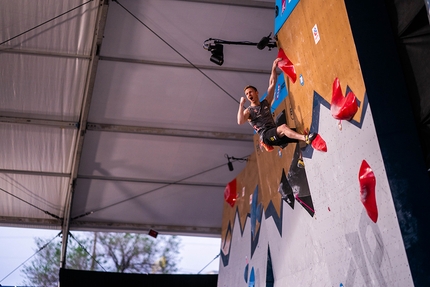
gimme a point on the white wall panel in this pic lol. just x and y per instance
(340, 245)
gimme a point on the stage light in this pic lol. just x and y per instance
(217, 51)
(263, 43)
(230, 164)
(215, 46)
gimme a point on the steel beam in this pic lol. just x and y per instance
(77, 152)
(31, 172)
(39, 122)
(44, 53)
(81, 225)
(24, 222)
(169, 132)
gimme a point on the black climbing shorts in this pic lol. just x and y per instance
(270, 137)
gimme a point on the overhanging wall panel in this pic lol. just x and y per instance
(339, 243)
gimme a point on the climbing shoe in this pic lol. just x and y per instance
(266, 146)
(310, 137)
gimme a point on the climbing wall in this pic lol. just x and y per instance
(333, 222)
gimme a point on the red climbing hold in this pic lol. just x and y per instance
(267, 147)
(230, 193)
(286, 66)
(319, 144)
(367, 180)
(342, 108)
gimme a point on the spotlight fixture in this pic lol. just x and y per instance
(230, 164)
(215, 46)
(265, 42)
(217, 54)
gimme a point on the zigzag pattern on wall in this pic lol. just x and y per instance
(307, 152)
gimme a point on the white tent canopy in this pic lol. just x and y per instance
(112, 117)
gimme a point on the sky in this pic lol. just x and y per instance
(17, 245)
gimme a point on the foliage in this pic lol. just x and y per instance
(114, 252)
(138, 253)
(43, 269)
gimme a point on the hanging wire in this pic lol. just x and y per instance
(40, 249)
(62, 14)
(209, 263)
(147, 192)
(176, 51)
(83, 247)
(28, 192)
(44, 211)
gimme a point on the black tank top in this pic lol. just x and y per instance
(261, 117)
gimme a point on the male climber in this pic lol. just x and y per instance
(259, 115)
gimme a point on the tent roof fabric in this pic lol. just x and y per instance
(112, 117)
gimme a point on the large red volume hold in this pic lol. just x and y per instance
(230, 193)
(319, 144)
(342, 108)
(367, 180)
(286, 65)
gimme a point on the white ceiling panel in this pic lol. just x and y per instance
(156, 157)
(150, 204)
(26, 197)
(69, 33)
(184, 26)
(42, 87)
(169, 97)
(36, 148)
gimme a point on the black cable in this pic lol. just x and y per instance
(83, 247)
(44, 211)
(45, 22)
(209, 263)
(40, 249)
(31, 195)
(194, 66)
(147, 192)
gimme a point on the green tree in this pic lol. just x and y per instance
(139, 253)
(114, 252)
